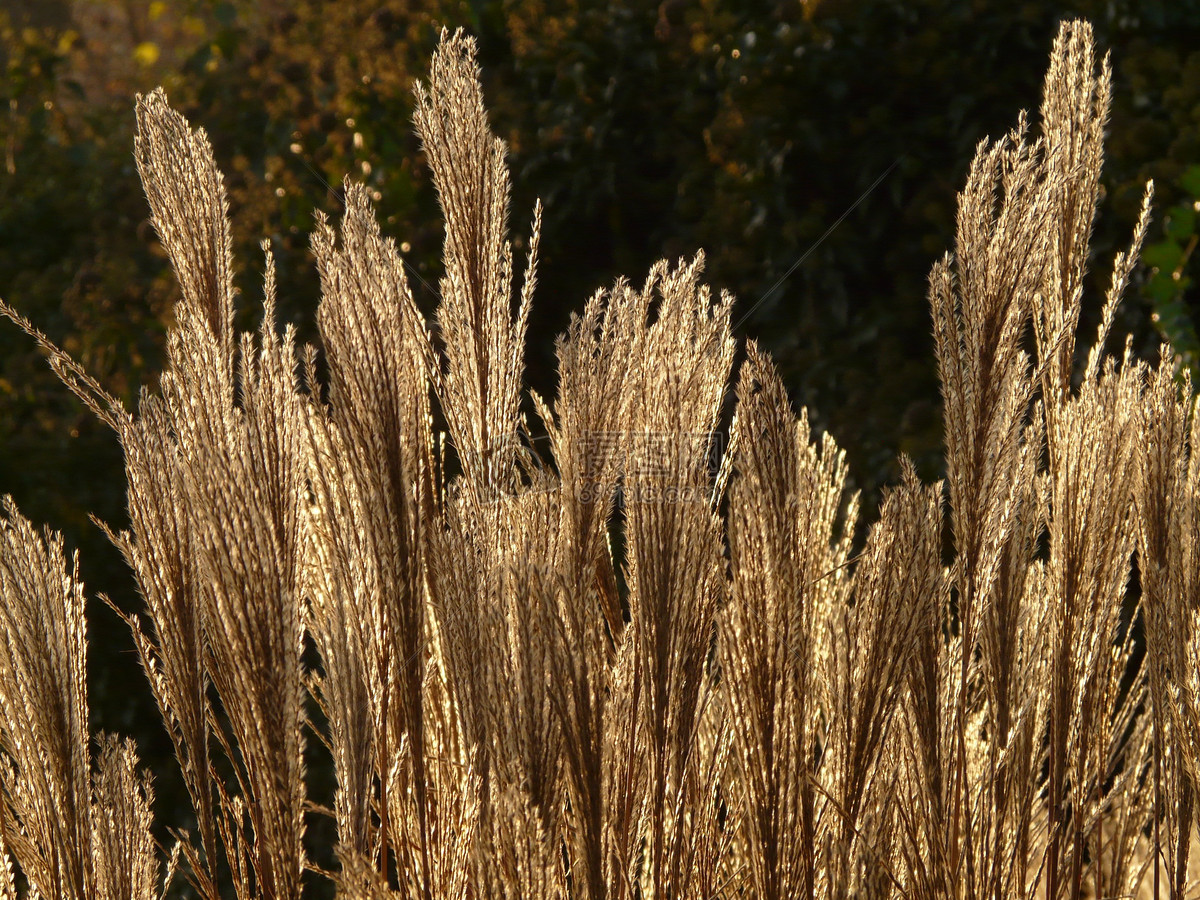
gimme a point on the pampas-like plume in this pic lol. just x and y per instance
(674, 559)
(370, 468)
(788, 550)
(481, 391)
(74, 833)
(224, 438)
(43, 701)
(1168, 495)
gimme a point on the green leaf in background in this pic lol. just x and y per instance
(1161, 288)
(1190, 180)
(1180, 222)
(1164, 255)
(1168, 282)
(225, 14)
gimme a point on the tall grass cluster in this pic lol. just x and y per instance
(633, 661)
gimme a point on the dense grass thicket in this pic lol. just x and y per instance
(632, 659)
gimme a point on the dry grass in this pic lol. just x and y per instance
(728, 703)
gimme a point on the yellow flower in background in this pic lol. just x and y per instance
(146, 53)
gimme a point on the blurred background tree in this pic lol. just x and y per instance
(813, 150)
